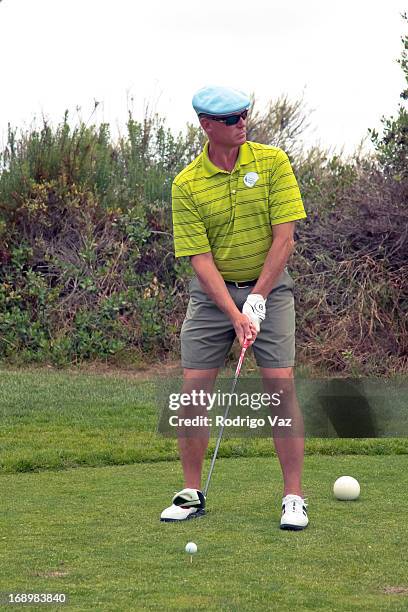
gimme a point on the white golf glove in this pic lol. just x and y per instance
(255, 309)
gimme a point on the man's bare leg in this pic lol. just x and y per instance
(289, 448)
(193, 445)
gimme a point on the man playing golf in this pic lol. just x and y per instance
(234, 213)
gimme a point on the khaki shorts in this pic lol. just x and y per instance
(207, 333)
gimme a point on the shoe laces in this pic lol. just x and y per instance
(297, 499)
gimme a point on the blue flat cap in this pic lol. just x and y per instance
(220, 101)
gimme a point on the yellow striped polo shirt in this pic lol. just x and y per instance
(231, 213)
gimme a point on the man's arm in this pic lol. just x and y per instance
(277, 257)
(214, 285)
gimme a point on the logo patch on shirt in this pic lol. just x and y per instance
(251, 178)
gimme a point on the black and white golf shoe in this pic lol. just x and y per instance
(294, 513)
(187, 504)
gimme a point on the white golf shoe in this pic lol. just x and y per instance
(187, 504)
(294, 513)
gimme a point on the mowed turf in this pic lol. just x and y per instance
(94, 534)
(57, 419)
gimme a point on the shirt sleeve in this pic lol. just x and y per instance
(190, 235)
(285, 201)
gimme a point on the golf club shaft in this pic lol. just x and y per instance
(234, 384)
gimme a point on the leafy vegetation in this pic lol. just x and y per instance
(392, 144)
(87, 265)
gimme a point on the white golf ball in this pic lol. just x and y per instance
(346, 488)
(191, 548)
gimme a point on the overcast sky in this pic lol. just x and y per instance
(340, 56)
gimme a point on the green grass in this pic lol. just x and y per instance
(54, 420)
(94, 534)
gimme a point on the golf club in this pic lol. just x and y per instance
(234, 384)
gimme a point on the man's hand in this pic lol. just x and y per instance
(254, 309)
(214, 285)
(244, 328)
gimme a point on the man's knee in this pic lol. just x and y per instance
(205, 375)
(274, 373)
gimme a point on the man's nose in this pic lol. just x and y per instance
(241, 123)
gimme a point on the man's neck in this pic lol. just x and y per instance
(223, 157)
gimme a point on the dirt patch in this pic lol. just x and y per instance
(395, 590)
(148, 371)
(145, 372)
(53, 574)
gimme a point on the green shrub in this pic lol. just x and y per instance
(87, 265)
(392, 144)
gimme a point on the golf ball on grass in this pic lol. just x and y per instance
(346, 488)
(191, 548)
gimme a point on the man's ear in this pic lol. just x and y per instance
(205, 124)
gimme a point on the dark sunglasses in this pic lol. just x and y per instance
(230, 119)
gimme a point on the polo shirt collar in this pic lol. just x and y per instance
(245, 156)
